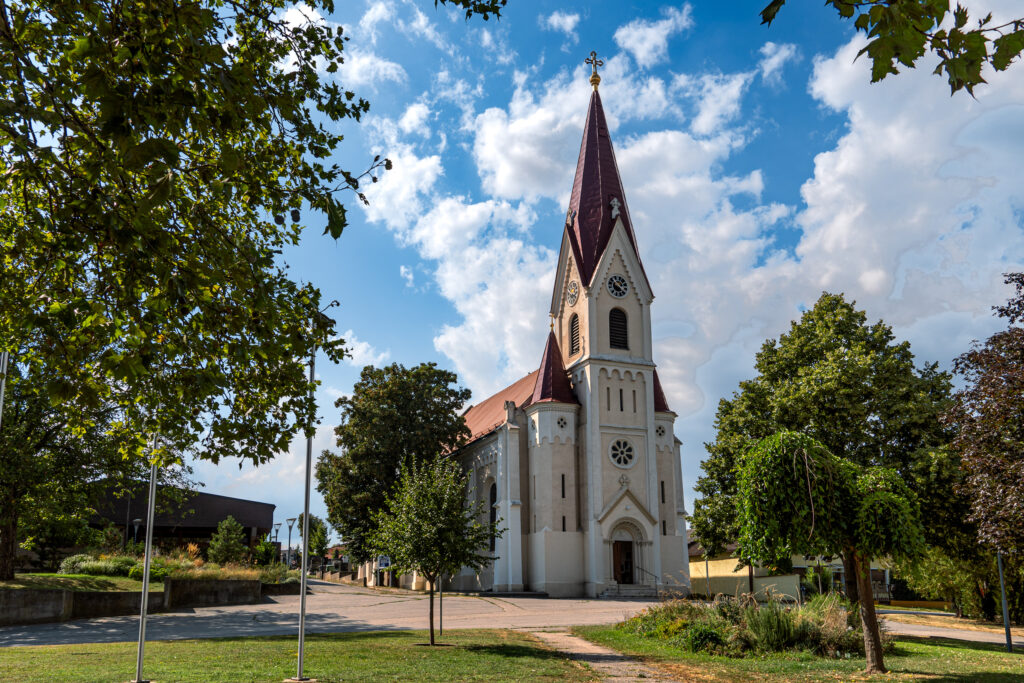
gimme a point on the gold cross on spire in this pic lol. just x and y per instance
(594, 62)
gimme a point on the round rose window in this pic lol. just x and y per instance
(622, 453)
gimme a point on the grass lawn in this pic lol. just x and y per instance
(914, 659)
(480, 655)
(78, 582)
(952, 622)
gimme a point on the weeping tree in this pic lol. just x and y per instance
(429, 526)
(795, 497)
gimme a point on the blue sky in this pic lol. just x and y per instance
(760, 167)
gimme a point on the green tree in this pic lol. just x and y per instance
(902, 31)
(989, 419)
(156, 160)
(429, 526)
(265, 553)
(394, 414)
(227, 543)
(847, 384)
(319, 536)
(52, 476)
(797, 498)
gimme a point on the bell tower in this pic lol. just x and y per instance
(628, 470)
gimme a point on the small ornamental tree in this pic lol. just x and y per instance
(429, 526)
(226, 544)
(795, 497)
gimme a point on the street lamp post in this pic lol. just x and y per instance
(136, 522)
(305, 513)
(277, 527)
(291, 521)
(145, 570)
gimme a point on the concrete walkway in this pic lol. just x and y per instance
(609, 664)
(330, 608)
(920, 631)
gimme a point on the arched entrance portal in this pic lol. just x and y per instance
(625, 545)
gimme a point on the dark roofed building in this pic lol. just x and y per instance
(193, 519)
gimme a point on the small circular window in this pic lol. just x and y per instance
(622, 453)
(562, 422)
(660, 430)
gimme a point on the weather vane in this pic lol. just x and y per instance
(594, 62)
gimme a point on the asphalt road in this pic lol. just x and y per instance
(330, 608)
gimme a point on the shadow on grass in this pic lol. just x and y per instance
(510, 650)
(64, 581)
(956, 643)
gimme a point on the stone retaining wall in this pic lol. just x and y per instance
(203, 592)
(39, 606)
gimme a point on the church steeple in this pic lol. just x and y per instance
(597, 201)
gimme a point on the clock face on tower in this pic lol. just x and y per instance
(574, 293)
(617, 286)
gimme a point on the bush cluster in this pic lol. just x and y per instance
(827, 625)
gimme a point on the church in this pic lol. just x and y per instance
(578, 459)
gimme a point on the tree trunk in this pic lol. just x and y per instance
(868, 620)
(850, 576)
(8, 539)
(431, 581)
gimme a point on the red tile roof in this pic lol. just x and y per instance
(596, 184)
(660, 402)
(489, 414)
(552, 381)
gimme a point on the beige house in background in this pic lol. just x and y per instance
(578, 459)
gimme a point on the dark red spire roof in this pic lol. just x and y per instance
(597, 183)
(660, 402)
(552, 380)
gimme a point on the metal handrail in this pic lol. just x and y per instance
(653, 576)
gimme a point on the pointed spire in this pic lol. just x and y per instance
(552, 381)
(660, 402)
(597, 199)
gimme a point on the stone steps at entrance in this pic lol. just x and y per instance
(630, 590)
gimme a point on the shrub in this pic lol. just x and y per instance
(773, 627)
(226, 544)
(273, 573)
(703, 638)
(192, 550)
(812, 577)
(73, 564)
(98, 568)
(156, 572)
(264, 554)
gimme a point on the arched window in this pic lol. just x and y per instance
(618, 335)
(493, 510)
(574, 335)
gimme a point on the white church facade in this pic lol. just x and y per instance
(578, 459)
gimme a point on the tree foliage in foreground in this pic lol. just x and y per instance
(902, 31)
(797, 498)
(156, 159)
(428, 526)
(847, 384)
(393, 415)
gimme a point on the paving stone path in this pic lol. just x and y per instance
(609, 664)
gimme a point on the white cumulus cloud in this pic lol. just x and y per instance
(773, 57)
(360, 353)
(647, 41)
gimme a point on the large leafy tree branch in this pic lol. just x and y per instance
(156, 158)
(901, 31)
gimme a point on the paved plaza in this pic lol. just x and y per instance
(330, 608)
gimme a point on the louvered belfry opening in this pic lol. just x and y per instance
(618, 336)
(574, 335)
